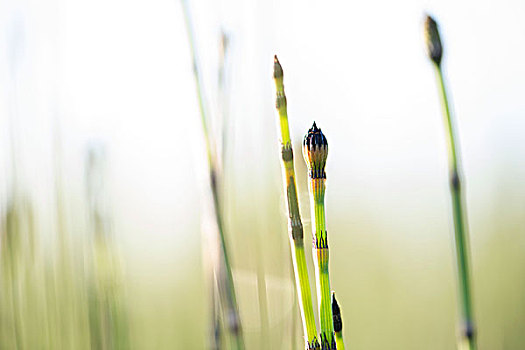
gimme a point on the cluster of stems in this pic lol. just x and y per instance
(315, 152)
(467, 339)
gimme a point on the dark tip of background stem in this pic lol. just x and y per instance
(433, 40)
(277, 68)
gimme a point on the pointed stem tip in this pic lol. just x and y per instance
(315, 138)
(277, 68)
(315, 151)
(336, 311)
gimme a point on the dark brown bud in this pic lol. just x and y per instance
(315, 152)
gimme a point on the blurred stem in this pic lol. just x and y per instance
(225, 276)
(262, 298)
(467, 338)
(215, 343)
(295, 226)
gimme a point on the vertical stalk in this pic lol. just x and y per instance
(295, 226)
(467, 338)
(315, 151)
(224, 271)
(321, 256)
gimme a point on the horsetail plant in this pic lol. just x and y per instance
(467, 340)
(338, 324)
(223, 272)
(295, 226)
(315, 152)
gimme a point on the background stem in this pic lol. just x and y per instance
(224, 274)
(467, 336)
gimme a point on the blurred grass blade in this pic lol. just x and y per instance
(224, 271)
(107, 311)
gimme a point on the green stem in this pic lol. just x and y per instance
(339, 341)
(225, 276)
(321, 257)
(295, 226)
(467, 339)
(305, 296)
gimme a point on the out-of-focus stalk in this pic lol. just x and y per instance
(107, 313)
(467, 339)
(315, 151)
(223, 272)
(338, 324)
(295, 226)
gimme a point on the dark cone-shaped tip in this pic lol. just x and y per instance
(433, 40)
(315, 151)
(314, 138)
(277, 69)
(336, 311)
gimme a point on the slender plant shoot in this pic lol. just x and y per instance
(467, 338)
(315, 151)
(224, 271)
(295, 226)
(338, 324)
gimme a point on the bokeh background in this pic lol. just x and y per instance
(103, 171)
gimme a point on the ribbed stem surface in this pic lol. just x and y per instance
(295, 226)
(305, 296)
(321, 257)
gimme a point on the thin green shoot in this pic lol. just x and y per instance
(295, 226)
(224, 272)
(467, 339)
(315, 151)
